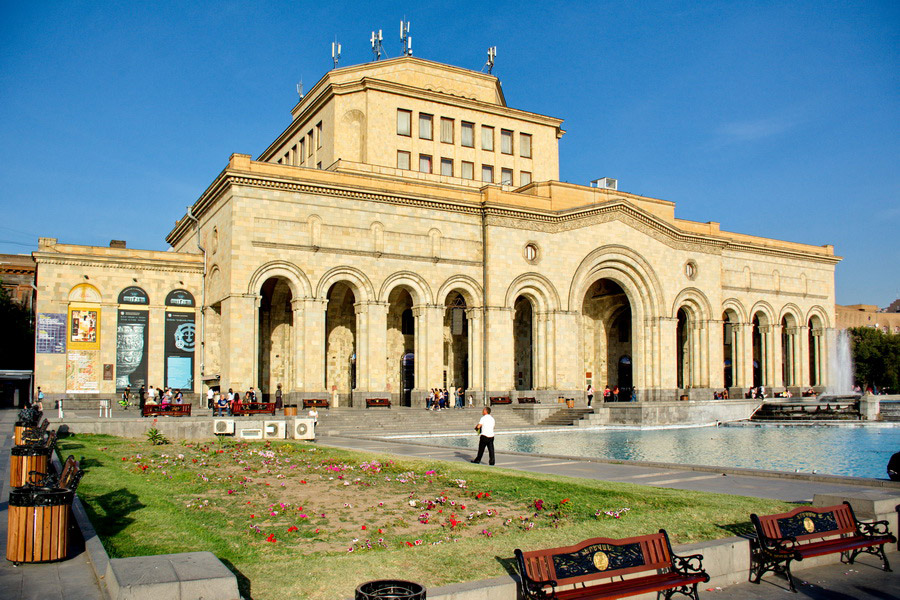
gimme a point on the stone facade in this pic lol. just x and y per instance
(869, 315)
(361, 279)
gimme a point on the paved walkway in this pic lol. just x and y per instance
(787, 488)
(71, 579)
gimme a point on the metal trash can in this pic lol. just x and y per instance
(390, 589)
(38, 524)
(25, 459)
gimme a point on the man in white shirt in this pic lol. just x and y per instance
(486, 440)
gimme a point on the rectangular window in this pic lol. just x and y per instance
(467, 170)
(280, 161)
(487, 138)
(487, 173)
(425, 127)
(294, 155)
(402, 160)
(505, 176)
(446, 130)
(319, 165)
(524, 178)
(424, 163)
(309, 142)
(525, 145)
(467, 135)
(506, 141)
(404, 121)
(447, 167)
(319, 134)
(302, 150)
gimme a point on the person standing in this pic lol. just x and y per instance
(485, 428)
(279, 398)
(460, 398)
(142, 397)
(590, 394)
(40, 400)
(209, 397)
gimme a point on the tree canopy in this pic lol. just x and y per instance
(876, 358)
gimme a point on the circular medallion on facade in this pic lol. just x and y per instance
(601, 561)
(808, 525)
(690, 270)
(184, 337)
(531, 252)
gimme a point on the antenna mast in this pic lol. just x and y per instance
(492, 54)
(405, 39)
(335, 52)
(377, 48)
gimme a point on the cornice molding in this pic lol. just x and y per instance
(368, 253)
(112, 263)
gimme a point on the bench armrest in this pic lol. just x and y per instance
(785, 545)
(688, 565)
(873, 528)
(532, 588)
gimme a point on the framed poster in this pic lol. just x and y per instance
(83, 371)
(179, 350)
(50, 335)
(83, 325)
(132, 345)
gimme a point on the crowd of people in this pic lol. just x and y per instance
(153, 396)
(439, 399)
(230, 403)
(612, 395)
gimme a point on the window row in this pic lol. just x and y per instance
(466, 131)
(466, 169)
(304, 149)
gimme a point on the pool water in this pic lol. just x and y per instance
(852, 451)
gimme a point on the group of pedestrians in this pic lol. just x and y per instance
(154, 396)
(611, 395)
(229, 403)
(439, 399)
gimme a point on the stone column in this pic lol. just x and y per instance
(362, 346)
(429, 345)
(817, 364)
(475, 317)
(500, 348)
(309, 340)
(377, 346)
(745, 355)
(665, 356)
(550, 350)
(539, 351)
(696, 351)
(715, 363)
(239, 333)
(772, 337)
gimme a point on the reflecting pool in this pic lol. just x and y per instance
(853, 451)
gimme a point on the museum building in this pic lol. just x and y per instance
(408, 230)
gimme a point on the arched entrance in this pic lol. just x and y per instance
(456, 342)
(760, 349)
(607, 327)
(788, 351)
(523, 344)
(683, 349)
(816, 335)
(340, 340)
(730, 347)
(276, 321)
(401, 344)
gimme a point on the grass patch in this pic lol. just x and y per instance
(294, 520)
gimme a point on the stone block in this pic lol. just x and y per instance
(186, 576)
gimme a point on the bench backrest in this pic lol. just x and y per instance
(599, 558)
(68, 472)
(807, 522)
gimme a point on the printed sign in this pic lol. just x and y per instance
(82, 371)
(50, 337)
(134, 295)
(179, 349)
(131, 349)
(180, 298)
(83, 325)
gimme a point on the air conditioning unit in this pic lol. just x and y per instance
(223, 426)
(251, 434)
(274, 430)
(606, 183)
(304, 429)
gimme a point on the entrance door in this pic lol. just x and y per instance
(624, 380)
(407, 378)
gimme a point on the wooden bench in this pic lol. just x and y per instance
(67, 479)
(315, 402)
(528, 401)
(254, 408)
(809, 531)
(31, 435)
(500, 400)
(168, 410)
(373, 402)
(547, 574)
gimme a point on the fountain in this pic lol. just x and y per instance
(840, 366)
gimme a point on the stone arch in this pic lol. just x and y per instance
(299, 283)
(736, 306)
(353, 277)
(85, 292)
(696, 301)
(214, 285)
(465, 285)
(420, 291)
(819, 312)
(354, 138)
(537, 288)
(764, 308)
(794, 313)
(627, 268)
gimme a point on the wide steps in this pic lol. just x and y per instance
(566, 417)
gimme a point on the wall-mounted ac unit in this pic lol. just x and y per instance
(223, 426)
(251, 434)
(304, 429)
(274, 430)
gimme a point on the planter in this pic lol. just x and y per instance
(290, 411)
(389, 589)
(570, 403)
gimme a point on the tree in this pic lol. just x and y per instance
(876, 358)
(17, 348)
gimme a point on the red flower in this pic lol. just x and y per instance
(271, 538)
(292, 528)
(364, 527)
(251, 516)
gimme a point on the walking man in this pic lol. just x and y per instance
(486, 440)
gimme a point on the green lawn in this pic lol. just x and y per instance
(295, 520)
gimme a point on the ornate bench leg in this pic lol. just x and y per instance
(877, 550)
(686, 590)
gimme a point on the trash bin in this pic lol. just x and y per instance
(570, 402)
(390, 589)
(25, 459)
(290, 410)
(38, 524)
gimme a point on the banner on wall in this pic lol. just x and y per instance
(179, 350)
(84, 324)
(132, 344)
(83, 371)
(50, 337)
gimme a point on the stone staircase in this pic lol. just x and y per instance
(833, 409)
(566, 417)
(402, 420)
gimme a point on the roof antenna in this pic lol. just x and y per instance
(377, 48)
(335, 52)
(492, 54)
(405, 39)
(300, 88)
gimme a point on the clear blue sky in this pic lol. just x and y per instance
(776, 119)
